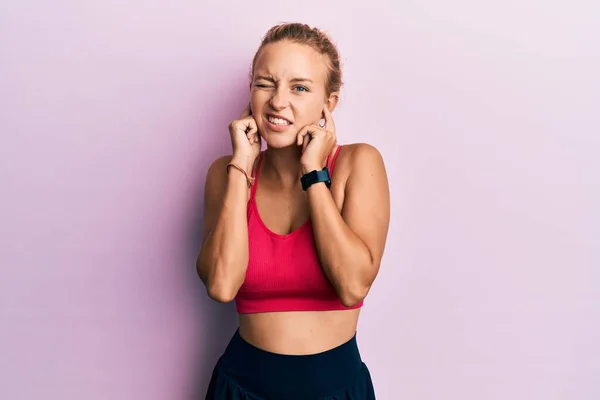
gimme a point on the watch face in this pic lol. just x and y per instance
(316, 177)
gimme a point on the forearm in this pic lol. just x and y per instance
(224, 255)
(345, 258)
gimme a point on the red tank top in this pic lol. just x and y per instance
(284, 271)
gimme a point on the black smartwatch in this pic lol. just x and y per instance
(315, 176)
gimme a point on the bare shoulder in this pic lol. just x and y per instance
(218, 166)
(356, 157)
(364, 151)
(216, 177)
(366, 207)
(214, 190)
(216, 180)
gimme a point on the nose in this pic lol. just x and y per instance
(279, 99)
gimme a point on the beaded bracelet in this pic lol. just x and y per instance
(249, 179)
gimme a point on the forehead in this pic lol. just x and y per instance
(288, 60)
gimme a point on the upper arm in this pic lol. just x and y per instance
(214, 191)
(366, 208)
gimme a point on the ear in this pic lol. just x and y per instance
(332, 101)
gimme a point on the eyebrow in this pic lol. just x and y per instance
(271, 79)
(264, 78)
(302, 80)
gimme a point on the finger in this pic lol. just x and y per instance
(252, 130)
(301, 134)
(250, 127)
(328, 119)
(309, 130)
(246, 112)
(305, 142)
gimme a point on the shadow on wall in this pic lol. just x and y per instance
(216, 322)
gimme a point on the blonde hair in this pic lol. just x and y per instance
(313, 37)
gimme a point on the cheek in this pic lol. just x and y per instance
(312, 112)
(257, 101)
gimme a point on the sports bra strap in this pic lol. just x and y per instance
(256, 171)
(332, 165)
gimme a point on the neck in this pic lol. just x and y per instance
(283, 164)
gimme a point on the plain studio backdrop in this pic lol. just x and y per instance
(487, 115)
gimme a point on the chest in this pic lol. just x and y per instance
(282, 213)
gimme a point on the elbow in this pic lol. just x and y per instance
(353, 288)
(221, 284)
(220, 294)
(222, 289)
(351, 297)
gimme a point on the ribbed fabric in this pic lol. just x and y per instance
(284, 272)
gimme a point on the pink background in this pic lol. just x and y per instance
(487, 114)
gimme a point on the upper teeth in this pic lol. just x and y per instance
(278, 121)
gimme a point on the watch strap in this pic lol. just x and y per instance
(315, 176)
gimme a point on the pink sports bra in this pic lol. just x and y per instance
(284, 272)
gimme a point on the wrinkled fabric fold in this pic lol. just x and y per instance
(222, 387)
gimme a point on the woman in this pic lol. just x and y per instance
(294, 234)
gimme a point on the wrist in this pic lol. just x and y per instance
(310, 167)
(314, 177)
(240, 168)
(237, 181)
(244, 162)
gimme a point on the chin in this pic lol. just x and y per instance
(279, 140)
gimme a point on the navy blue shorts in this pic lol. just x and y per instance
(245, 372)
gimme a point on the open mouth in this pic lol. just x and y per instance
(278, 120)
